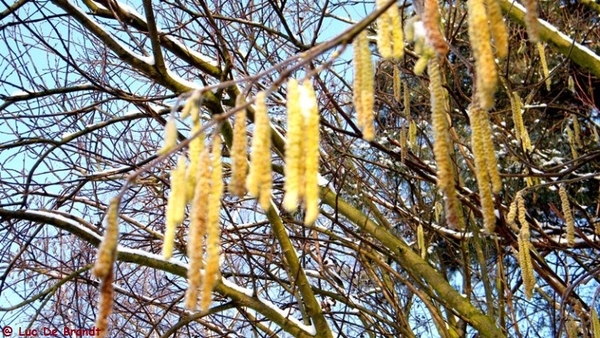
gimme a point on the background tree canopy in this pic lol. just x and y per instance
(88, 86)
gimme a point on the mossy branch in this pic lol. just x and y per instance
(557, 40)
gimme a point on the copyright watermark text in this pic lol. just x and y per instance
(9, 331)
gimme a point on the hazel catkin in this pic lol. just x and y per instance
(485, 67)
(170, 136)
(258, 181)
(175, 206)
(108, 247)
(293, 148)
(497, 28)
(105, 304)
(213, 228)
(364, 86)
(568, 215)
(431, 22)
(239, 160)
(195, 246)
(477, 116)
(311, 152)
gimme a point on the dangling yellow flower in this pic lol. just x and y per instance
(213, 228)
(481, 169)
(293, 148)
(258, 181)
(170, 136)
(364, 86)
(175, 206)
(195, 247)
(239, 160)
(485, 67)
(108, 247)
(566, 209)
(497, 28)
(311, 153)
(442, 147)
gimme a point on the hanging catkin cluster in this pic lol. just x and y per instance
(204, 221)
(483, 24)
(200, 183)
(442, 147)
(259, 177)
(568, 215)
(302, 150)
(364, 86)
(390, 38)
(524, 257)
(486, 165)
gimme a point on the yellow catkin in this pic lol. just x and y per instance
(485, 67)
(213, 227)
(108, 247)
(477, 117)
(170, 136)
(423, 61)
(497, 28)
(566, 209)
(531, 20)
(545, 71)
(442, 147)
(310, 112)
(572, 327)
(512, 215)
(421, 241)
(526, 263)
(431, 22)
(524, 247)
(403, 143)
(239, 160)
(406, 100)
(397, 32)
(577, 131)
(409, 27)
(105, 304)
(520, 130)
(364, 85)
(490, 155)
(175, 206)
(384, 38)
(412, 134)
(571, 139)
(438, 208)
(397, 84)
(521, 213)
(195, 246)
(595, 329)
(196, 146)
(293, 148)
(258, 181)
(191, 107)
